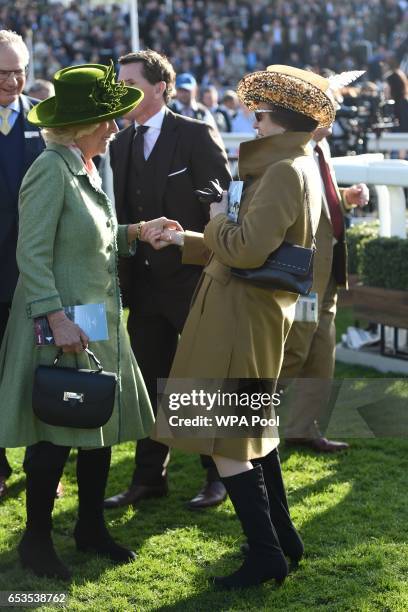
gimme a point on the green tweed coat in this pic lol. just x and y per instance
(67, 252)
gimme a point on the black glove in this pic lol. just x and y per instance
(210, 194)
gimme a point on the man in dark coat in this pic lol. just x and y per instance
(158, 162)
(20, 144)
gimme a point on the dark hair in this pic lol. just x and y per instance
(398, 83)
(156, 68)
(292, 120)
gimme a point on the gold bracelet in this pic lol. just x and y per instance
(139, 229)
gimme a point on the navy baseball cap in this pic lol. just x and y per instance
(185, 80)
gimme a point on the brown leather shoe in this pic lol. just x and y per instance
(212, 494)
(320, 445)
(60, 491)
(135, 494)
(3, 487)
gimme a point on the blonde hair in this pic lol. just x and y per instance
(68, 134)
(12, 39)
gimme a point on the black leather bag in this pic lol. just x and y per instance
(289, 268)
(69, 397)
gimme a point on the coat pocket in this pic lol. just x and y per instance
(177, 172)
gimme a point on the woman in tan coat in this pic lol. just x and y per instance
(236, 330)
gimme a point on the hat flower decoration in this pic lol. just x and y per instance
(107, 93)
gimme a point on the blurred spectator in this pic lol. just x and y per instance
(221, 116)
(230, 103)
(41, 89)
(186, 100)
(397, 89)
(243, 120)
(218, 40)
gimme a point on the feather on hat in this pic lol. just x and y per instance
(298, 90)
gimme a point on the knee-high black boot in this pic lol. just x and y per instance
(265, 559)
(289, 539)
(36, 549)
(90, 531)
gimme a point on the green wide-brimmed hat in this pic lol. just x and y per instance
(85, 94)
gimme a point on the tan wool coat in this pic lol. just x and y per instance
(234, 329)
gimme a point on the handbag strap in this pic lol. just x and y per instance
(307, 198)
(88, 352)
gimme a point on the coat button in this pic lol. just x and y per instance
(110, 292)
(108, 224)
(140, 208)
(109, 247)
(138, 192)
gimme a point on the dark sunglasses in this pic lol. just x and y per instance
(259, 113)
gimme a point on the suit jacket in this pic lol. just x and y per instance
(33, 145)
(189, 154)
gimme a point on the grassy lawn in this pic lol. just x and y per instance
(351, 510)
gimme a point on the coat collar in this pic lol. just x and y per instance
(77, 167)
(25, 104)
(73, 162)
(254, 155)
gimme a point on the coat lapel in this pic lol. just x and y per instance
(166, 145)
(324, 145)
(33, 142)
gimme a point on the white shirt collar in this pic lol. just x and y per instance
(156, 120)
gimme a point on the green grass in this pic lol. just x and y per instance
(351, 510)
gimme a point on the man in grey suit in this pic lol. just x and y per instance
(20, 144)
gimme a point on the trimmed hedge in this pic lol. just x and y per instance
(379, 262)
(356, 235)
(383, 262)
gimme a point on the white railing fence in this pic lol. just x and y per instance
(389, 177)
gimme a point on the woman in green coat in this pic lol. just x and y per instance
(68, 246)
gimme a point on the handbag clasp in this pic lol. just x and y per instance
(71, 395)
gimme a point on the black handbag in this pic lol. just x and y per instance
(70, 397)
(289, 268)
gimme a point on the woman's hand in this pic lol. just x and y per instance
(217, 208)
(148, 230)
(161, 239)
(161, 224)
(155, 232)
(67, 335)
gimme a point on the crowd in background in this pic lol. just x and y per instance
(214, 43)
(217, 41)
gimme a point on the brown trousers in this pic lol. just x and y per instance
(310, 354)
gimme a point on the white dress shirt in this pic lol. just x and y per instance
(151, 135)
